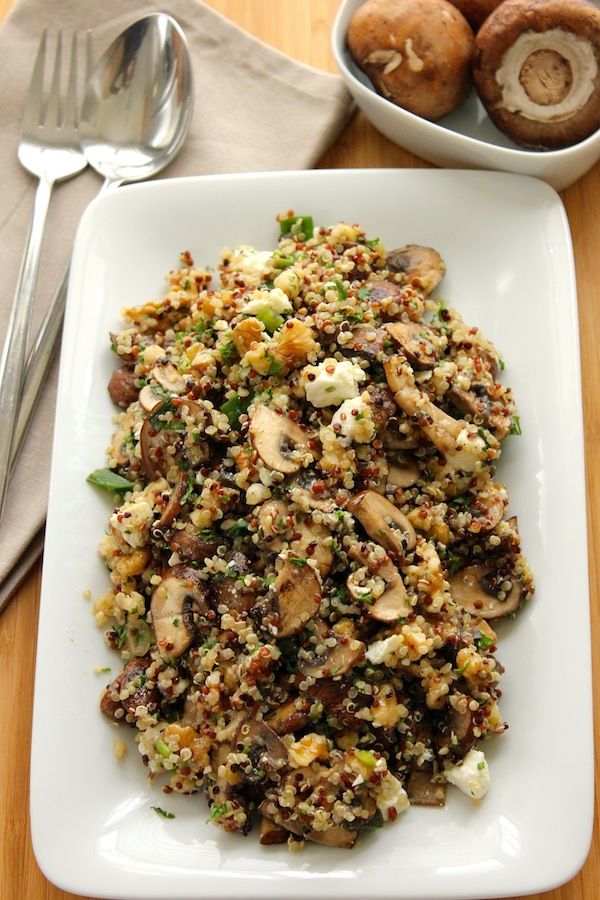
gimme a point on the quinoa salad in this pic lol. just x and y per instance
(309, 550)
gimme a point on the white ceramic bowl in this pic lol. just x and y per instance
(466, 138)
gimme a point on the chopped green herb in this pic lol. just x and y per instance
(162, 748)
(300, 227)
(189, 489)
(187, 284)
(228, 352)
(176, 623)
(234, 408)
(217, 810)
(515, 428)
(200, 327)
(364, 295)
(275, 367)
(240, 528)
(109, 480)
(163, 812)
(375, 822)
(484, 642)
(501, 363)
(481, 765)
(341, 290)
(297, 561)
(121, 632)
(106, 669)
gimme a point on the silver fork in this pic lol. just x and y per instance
(50, 150)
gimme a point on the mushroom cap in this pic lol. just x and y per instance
(417, 53)
(176, 601)
(476, 11)
(469, 589)
(383, 522)
(537, 70)
(298, 592)
(417, 343)
(275, 438)
(421, 267)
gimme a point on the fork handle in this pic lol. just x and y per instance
(12, 362)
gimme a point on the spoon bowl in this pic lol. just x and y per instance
(138, 102)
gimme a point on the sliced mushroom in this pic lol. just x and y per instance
(471, 589)
(403, 476)
(173, 507)
(420, 267)
(191, 548)
(122, 387)
(150, 399)
(394, 603)
(291, 716)
(456, 734)
(262, 746)
(334, 661)
(178, 604)
(379, 291)
(169, 378)
(270, 833)
(229, 591)
(422, 791)
(279, 442)
(298, 596)
(119, 448)
(382, 406)
(367, 341)
(417, 343)
(134, 673)
(440, 428)
(383, 522)
(314, 543)
(336, 836)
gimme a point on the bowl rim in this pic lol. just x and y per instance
(339, 48)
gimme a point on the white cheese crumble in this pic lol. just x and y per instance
(250, 261)
(274, 300)
(470, 448)
(132, 522)
(472, 776)
(333, 382)
(390, 794)
(353, 420)
(378, 650)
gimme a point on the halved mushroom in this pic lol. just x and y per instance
(382, 406)
(150, 399)
(270, 833)
(367, 341)
(297, 592)
(336, 836)
(378, 291)
(477, 403)
(291, 716)
(422, 791)
(403, 475)
(230, 591)
(394, 603)
(133, 674)
(263, 747)
(122, 387)
(383, 522)
(440, 428)
(336, 660)
(192, 548)
(417, 342)
(476, 589)
(119, 448)
(179, 603)
(279, 442)
(170, 380)
(421, 267)
(173, 507)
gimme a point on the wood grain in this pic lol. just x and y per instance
(300, 29)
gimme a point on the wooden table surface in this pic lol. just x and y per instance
(300, 28)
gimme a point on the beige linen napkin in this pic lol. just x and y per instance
(256, 110)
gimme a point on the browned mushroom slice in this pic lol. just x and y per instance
(279, 442)
(420, 267)
(383, 522)
(119, 448)
(298, 596)
(230, 591)
(270, 833)
(263, 747)
(191, 548)
(394, 603)
(403, 475)
(422, 791)
(456, 733)
(122, 387)
(291, 716)
(417, 342)
(173, 507)
(378, 291)
(366, 341)
(336, 836)
(333, 661)
(178, 603)
(132, 676)
(476, 588)
(150, 399)
(169, 378)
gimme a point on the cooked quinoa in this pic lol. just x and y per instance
(311, 547)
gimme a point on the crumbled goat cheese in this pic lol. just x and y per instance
(353, 420)
(470, 448)
(250, 261)
(333, 382)
(472, 776)
(274, 300)
(390, 794)
(132, 522)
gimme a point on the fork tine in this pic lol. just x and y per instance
(70, 116)
(89, 56)
(33, 104)
(53, 108)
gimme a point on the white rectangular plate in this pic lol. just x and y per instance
(506, 243)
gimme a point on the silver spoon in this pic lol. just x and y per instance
(136, 113)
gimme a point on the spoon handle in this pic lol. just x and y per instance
(42, 353)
